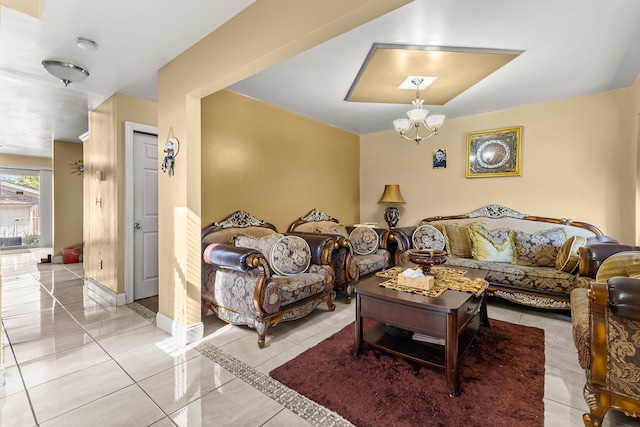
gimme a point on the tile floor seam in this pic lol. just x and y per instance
(24, 385)
(96, 399)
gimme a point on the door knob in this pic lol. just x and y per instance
(136, 225)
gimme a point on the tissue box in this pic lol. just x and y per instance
(417, 282)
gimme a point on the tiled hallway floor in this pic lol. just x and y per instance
(71, 359)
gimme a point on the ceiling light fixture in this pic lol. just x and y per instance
(65, 71)
(418, 117)
(86, 44)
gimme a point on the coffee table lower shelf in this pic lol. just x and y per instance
(416, 351)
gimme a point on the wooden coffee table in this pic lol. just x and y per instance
(452, 318)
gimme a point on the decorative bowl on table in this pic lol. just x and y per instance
(427, 258)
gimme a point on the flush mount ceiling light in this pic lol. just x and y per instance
(86, 44)
(65, 71)
(417, 117)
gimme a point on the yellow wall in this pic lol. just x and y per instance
(67, 200)
(217, 61)
(30, 7)
(13, 160)
(279, 167)
(578, 162)
(104, 199)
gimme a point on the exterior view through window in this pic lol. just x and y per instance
(19, 210)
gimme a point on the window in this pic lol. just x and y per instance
(25, 212)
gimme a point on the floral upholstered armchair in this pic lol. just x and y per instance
(252, 275)
(361, 250)
(606, 332)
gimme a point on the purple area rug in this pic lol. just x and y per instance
(501, 375)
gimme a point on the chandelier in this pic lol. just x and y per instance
(418, 117)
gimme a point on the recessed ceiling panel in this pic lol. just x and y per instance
(455, 69)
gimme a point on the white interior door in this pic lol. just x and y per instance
(145, 215)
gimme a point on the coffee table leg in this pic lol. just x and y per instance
(357, 345)
(451, 356)
(484, 315)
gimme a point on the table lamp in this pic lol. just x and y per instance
(391, 195)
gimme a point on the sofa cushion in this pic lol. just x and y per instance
(262, 243)
(458, 241)
(567, 259)
(524, 277)
(338, 229)
(372, 262)
(290, 255)
(296, 287)
(539, 248)
(364, 240)
(428, 237)
(490, 245)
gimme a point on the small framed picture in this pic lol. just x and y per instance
(440, 158)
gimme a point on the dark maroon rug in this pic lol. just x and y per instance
(502, 380)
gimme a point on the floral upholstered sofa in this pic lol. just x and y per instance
(605, 323)
(252, 275)
(529, 260)
(361, 250)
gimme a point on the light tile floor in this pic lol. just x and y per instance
(72, 359)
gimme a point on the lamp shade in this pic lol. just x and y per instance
(435, 121)
(391, 194)
(417, 115)
(402, 125)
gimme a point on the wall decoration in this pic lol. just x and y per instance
(440, 158)
(494, 153)
(171, 150)
(77, 167)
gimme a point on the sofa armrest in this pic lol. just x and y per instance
(402, 236)
(591, 256)
(233, 257)
(321, 245)
(580, 325)
(624, 297)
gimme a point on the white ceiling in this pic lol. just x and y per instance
(571, 48)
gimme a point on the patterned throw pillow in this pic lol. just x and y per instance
(428, 237)
(338, 229)
(290, 255)
(537, 249)
(458, 241)
(568, 258)
(262, 244)
(364, 240)
(491, 245)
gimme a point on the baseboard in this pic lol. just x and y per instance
(189, 333)
(106, 293)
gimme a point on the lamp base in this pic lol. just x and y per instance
(391, 216)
